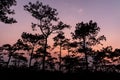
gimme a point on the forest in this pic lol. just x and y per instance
(71, 58)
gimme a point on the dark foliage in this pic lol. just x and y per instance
(5, 11)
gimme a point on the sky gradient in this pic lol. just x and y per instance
(105, 12)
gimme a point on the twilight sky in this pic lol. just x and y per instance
(105, 12)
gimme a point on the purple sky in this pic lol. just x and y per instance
(105, 12)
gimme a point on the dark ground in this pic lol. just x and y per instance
(47, 75)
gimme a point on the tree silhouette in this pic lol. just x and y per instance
(18, 55)
(99, 57)
(18, 58)
(116, 58)
(10, 50)
(116, 55)
(46, 17)
(71, 63)
(39, 59)
(1, 57)
(87, 33)
(32, 41)
(5, 11)
(59, 40)
(67, 45)
(50, 61)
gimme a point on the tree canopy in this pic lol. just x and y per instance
(5, 10)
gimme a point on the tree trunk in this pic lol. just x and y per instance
(84, 47)
(69, 66)
(60, 58)
(31, 55)
(44, 56)
(68, 51)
